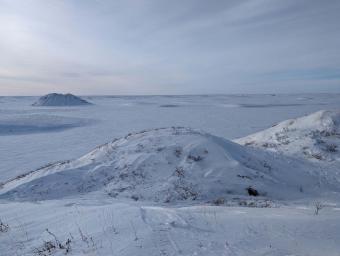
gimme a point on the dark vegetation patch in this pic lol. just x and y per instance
(252, 191)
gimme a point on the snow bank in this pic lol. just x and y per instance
(316, 136)
(94, 227)
(167, 165)
(56, 99)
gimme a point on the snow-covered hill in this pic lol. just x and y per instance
(167, 165)
(315, 137)
(56, 99)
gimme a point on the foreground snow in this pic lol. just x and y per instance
(103, 227)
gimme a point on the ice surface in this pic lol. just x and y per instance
(39, 123)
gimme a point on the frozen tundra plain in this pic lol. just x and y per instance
(171, 175)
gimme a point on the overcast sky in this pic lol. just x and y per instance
(169, 47)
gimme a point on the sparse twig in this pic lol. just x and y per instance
(3, 227)
(134, 231)
(318, 206)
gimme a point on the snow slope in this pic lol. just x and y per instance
(315, 137)
(56, 99)
(168, 165)
(109, 227)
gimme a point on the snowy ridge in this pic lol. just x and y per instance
(315, 137)
(167, 165)
(56, 99)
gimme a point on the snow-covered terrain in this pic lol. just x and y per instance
(57, 99)
(171, 191)
(169, 165)
(228, 116)
(93, 226)
(315, 136)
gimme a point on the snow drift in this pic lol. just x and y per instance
(166, 165)
(56, 99)
(316, 137)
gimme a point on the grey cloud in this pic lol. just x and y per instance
(177, 46)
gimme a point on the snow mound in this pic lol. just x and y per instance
(56, 99)
(316, 137)
(167, 165)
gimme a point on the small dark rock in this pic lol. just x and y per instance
(252, 191)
